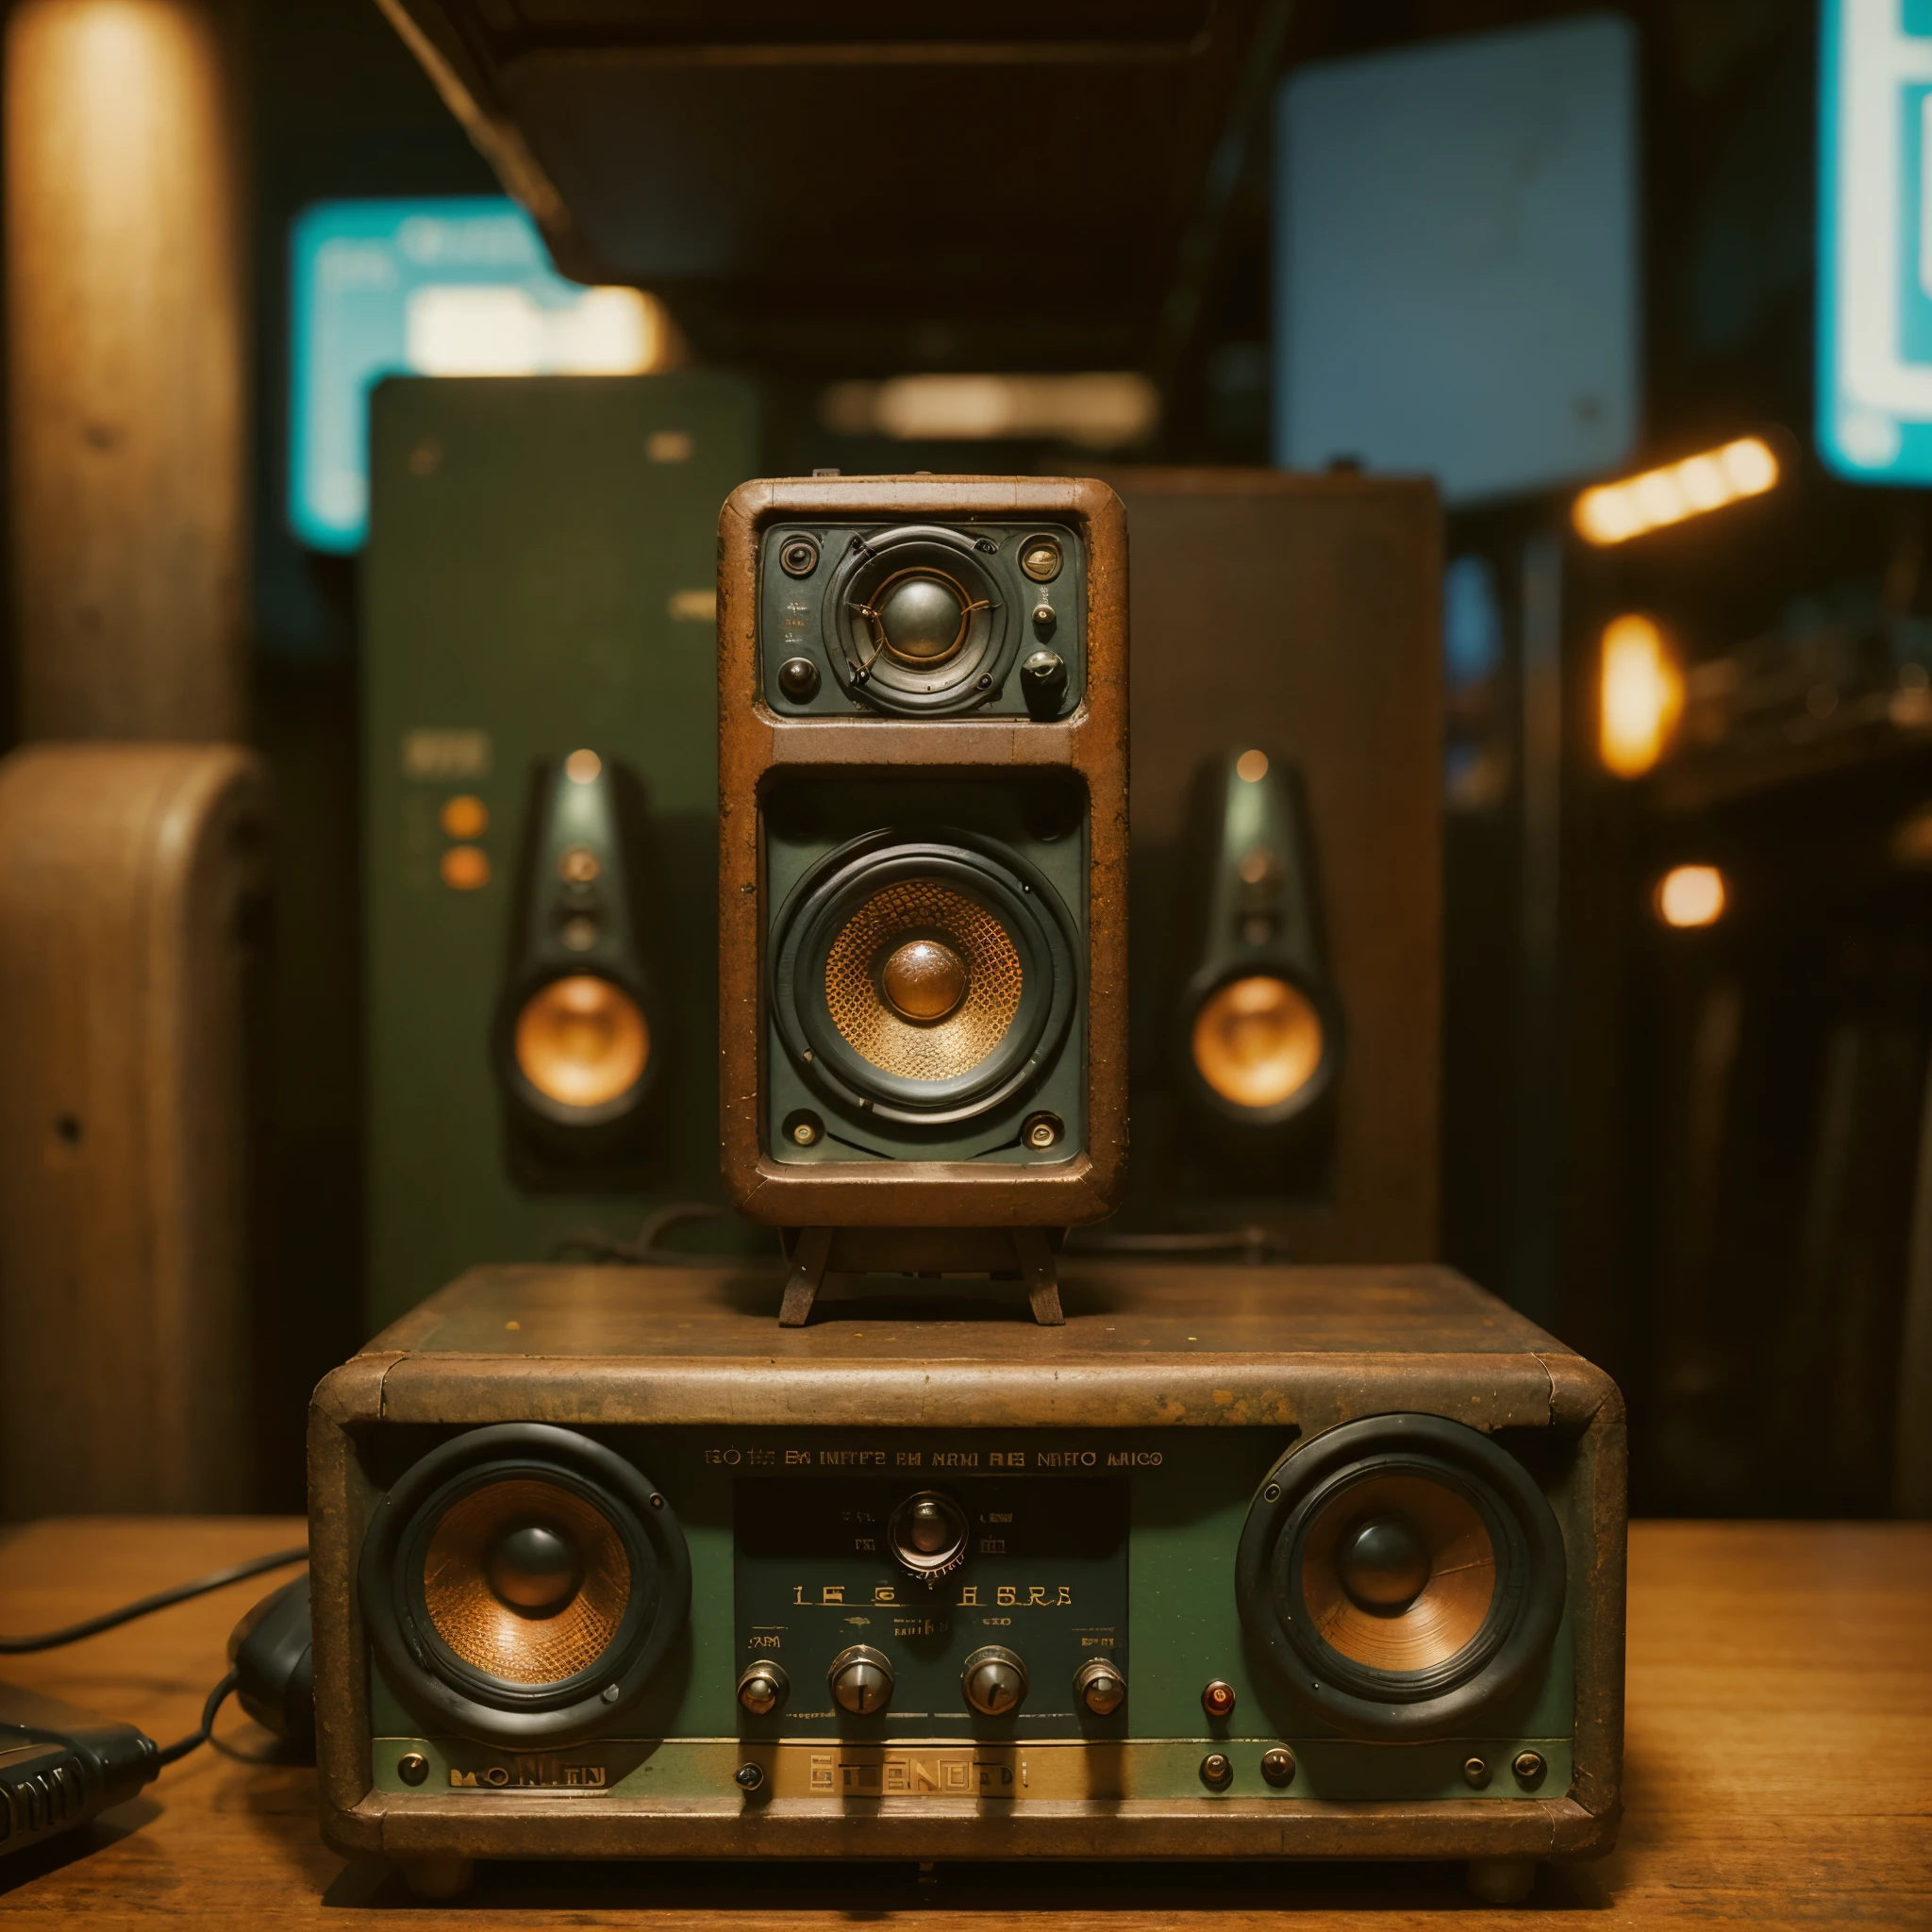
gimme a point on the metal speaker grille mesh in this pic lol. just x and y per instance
(903, 1048)
(488, 1634)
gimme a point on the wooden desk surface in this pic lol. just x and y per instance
(1779, 1773)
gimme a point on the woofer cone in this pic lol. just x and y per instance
(1260, 1045)
(522, 1584)
(577, 1050)
(1405, 1573)
(915, 622)
(851, 920)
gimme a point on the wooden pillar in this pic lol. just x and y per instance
(126, 371)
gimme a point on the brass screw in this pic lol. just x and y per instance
(1042, 1131)
(1475, 1772)
(412, 1767)
(1529, 1768)
(1277, 1766)
(1041, 563)
(1217, 1774)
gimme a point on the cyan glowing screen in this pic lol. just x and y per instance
(1875, 240)
(458, 287)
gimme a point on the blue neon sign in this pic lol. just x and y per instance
(1875, 240)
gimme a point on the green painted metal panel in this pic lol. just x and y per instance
(539, 577)
(1190, 1491)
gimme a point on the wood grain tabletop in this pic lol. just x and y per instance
(1778, 1774)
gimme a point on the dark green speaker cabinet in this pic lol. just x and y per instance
(540, 798)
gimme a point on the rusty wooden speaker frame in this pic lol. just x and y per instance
(757, 748)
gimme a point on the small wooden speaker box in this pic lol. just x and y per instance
(923, 856)
(1322, 1563)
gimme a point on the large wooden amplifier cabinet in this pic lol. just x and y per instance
(1261, 1563)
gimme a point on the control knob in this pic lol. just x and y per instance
(928, 1533)
(861, 1680)
(994, 1681)
(1100, 1685)
(762, 1688)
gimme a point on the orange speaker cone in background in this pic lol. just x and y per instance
(1256, 1042)
(582, 1040)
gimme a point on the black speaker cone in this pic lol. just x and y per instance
(1404, 1572)
(923, 978)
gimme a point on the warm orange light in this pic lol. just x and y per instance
(464, 816)
(1257, 1042)
(1691, 896)
(582, 767)
(1252, 766)
(1615, 513)
(582, 1040)
(465, 868)
(1641, 695)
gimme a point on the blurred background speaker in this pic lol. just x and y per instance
(538, 607)
(1257, 1026)
(1307, 608)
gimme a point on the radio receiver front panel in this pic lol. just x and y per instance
(601, 1578)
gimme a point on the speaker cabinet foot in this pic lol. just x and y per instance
(1043, 1281)
(436, 1876)
(809, 1259)
(1502, 1881)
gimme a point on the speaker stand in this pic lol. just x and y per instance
(816, 1251)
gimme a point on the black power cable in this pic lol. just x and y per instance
(216, 1698)
(215, 1579)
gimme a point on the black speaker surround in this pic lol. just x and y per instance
(571, 1573)
(1404, 1572)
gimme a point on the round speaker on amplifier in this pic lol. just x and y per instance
(916, 623)
(1404, 1572)
(523, 1584)
(924, 978)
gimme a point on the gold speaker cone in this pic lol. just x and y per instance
(582, 1040)
(859, 998)
(1256, 1042)
(1366, 1599)
(507, 1639)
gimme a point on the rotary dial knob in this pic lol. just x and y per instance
(762, 1688)
(928, 1534)
(1099, 1685)
(861, 1680)
(994, 1681)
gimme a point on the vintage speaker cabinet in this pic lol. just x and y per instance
(1298, 616)
(539, 580)
(1128, 1484)
(960, 795)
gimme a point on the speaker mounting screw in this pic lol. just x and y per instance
(412, 1767)
(1042, 1131)
(612, 1693)
(1218, 1699)
(1529, 1768)
(1475, 1772)
(1272, 1493)
(750, 1776)
(803, 1128)
(798, 678)
(1217, 1774)
(1277, 1767)
(798, 556)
